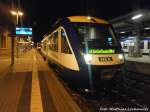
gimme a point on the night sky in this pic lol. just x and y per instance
(41, 14)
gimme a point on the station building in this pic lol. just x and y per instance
(4, 42)
(133, 30)
(6, 25)
(20, 43)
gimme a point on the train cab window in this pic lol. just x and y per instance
(96, 35)
(56, 41)
(64, 44)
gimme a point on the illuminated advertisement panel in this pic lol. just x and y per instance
(23, 31)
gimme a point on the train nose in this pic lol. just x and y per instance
(108, 74)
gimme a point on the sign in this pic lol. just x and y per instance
(105, 59)
(23, 31)
(101, 51)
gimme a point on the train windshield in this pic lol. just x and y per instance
(96, 35)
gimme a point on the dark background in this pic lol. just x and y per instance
(41, 14)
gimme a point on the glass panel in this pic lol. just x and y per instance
(96, 34)
(51, 42)
(148, 44)
(142, 45)
(64, 44)
(97, 37)
(56, 41)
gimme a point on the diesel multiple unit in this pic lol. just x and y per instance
(85, 50)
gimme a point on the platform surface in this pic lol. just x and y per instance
(138, 64)
(30, 85)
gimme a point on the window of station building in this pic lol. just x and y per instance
(148, 44)
(125, 45)
(142, 45)
(2, 41)
(56, 41)
(64, 44)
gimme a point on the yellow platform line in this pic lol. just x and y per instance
(36, 101)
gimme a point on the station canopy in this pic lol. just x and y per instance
(129, 23)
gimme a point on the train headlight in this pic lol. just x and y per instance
(88, 58)
(120, 56)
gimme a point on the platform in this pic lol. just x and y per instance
(143, 59)
(138, 64)
(31, 86)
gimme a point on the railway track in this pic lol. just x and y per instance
(140, 77)
(134, 93)
(119, 98)
(133, 96)
(140, 82)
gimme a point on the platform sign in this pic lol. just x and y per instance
(23, 31)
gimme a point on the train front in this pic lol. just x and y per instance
(101, 51)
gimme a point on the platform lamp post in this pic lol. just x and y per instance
(17, 14)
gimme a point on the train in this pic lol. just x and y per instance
(128, 44)
(38, 46)
(86, 51)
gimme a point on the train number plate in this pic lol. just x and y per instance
(105, 59)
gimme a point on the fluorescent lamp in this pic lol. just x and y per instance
(122, 32)
(147, 28)
(137, 16)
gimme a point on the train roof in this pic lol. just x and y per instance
(81, 19)
(87, 19)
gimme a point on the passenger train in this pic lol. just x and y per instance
(128, 43)
(86, 51)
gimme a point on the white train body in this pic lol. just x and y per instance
(127, 43)
(85, 51)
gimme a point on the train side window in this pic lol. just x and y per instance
(56, 41)
(44, 45)
(51, 46)
(64, 44)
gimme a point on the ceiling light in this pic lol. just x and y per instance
(147, 28)
(137, 16)
(122, 32)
